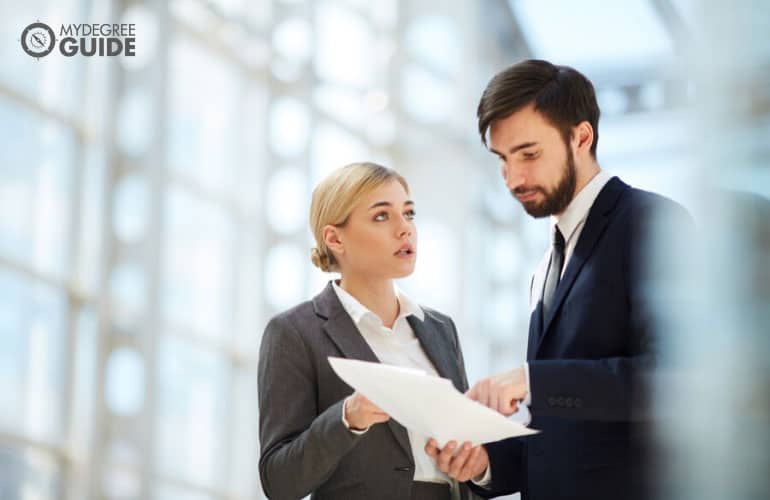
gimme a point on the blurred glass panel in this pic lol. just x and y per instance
(192, 413)
(601, 35)
(342, 104)
(124, 384)
(32, 338)
(499, 204)
(333, 147)
(17, 171)
(289, 126)
(434, 41)
(284, 284)
(121, 483)
(384, 13)
(84, 384)
(146, 36)
(51, 205)
(197, 262)
(53, 81)
(287, 203)
(244, 415)
(292, 39)
(503, 255)
(381, 129)
(27, 474)
(135, 121)
(253, 136)
(249, 315)
(285, 70)
(504, 311)
(128, 292)
(612, 101)
(35, 192)
(228, 8)
(131, 208)
(426, 97)
(89, 260)
(173, 492)
(204, 109)
(652, 96)
(342, 50)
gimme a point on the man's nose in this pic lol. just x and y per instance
(513, 176)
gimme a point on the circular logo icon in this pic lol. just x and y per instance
(38, 39)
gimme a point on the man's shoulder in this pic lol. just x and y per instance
(641, 202)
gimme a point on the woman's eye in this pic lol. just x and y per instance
(381, 216)
(410, 214)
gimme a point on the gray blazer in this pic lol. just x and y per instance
(305, 447)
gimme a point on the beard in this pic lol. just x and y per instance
(557, 199)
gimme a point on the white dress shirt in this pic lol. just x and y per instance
(570, 223)
(397, 346)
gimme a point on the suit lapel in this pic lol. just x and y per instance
(438, 347)
(345, 335)
(596, 223)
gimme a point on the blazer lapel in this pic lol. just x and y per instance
(345, 335)
(438, 347)
(598, 218)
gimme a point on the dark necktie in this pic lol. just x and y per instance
(554, 271)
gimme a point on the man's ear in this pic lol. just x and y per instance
(333, 239)
(582, 138)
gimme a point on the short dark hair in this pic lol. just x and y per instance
(563, 95)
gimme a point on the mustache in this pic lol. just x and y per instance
(523, 189)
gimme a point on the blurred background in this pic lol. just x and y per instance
(153, 215)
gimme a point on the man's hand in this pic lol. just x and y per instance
(469, 463)
(501, 392)
(360, 413)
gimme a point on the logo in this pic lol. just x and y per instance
(38, 40)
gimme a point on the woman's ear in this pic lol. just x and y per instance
(333, 239)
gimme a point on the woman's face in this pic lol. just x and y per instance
(380, 237)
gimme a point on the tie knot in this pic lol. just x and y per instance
(558, 238)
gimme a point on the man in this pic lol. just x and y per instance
(591, 344)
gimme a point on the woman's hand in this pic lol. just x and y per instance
(360, 413)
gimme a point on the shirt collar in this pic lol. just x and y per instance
(357, 311)
(577, 211)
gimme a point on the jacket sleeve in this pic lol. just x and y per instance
(300, 448)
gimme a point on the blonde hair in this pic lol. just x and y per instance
(334, 199)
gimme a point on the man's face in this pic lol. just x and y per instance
(538, 168)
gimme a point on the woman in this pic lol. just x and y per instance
(316, 437)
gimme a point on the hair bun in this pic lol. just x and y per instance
(320, 260)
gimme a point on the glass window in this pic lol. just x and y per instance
(197, 264)
(192, 412)
(201, 144)
(32, 357)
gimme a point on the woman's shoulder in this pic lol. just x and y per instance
(436, 315)
(294, 316)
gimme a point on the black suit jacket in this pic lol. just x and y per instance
(305, 447)
(590, 361)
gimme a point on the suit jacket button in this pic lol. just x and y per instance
(578, 402)
(568, 402)
(551, 401)
(560, 401)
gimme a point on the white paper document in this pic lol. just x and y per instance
(427, 405)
